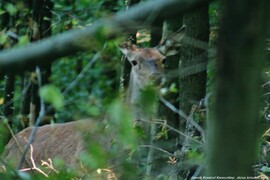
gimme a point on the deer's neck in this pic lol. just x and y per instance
(133, 99)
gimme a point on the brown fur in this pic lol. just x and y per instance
(63, 140)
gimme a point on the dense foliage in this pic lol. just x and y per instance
(88, 85)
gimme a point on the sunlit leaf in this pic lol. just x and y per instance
(2, 11)
(173, 88)
(23, 40)
(1, 101)
(3, 38)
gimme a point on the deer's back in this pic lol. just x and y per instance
(64, 141)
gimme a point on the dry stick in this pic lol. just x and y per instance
(34, 164)
(35, 128)
(49, 165)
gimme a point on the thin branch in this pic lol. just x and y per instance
(81, 75)
(157, 148)
(70, 42)
(17, 98)
(173, 129)
(49, 165)
(35, 128)
(198, 170)
(33, 164)
(182, 114)
(16, 141)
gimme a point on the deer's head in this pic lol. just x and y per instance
(148, 63)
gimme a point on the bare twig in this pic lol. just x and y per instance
(49, 165)
(157, 148)
(35, 128)
(34, 167)
(110, 174)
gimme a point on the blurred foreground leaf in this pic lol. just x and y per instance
(122, 123)
(51, 94)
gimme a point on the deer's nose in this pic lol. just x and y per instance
(156, 77)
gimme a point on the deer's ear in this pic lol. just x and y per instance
(128, 49)
(170, 46)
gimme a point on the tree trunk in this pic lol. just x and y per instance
(25, 101)
(41, 28)
(232, 133)
(192, 87)
(8, 97)
(7, 22)
(47, 7)
(171, 66)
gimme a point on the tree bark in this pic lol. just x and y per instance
(7, 21)
(232, 135)
(25, 101)
(192, 87)
(8, 98)
(41, 28)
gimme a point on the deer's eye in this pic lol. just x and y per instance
(164, 61)
(134, 62)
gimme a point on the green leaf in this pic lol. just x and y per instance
(23, 40)
(2, 11)
(51, 94)
(11, 9)
(148, 98)
(121, 121)
(93, 110)
(265, 169)
(173, 88)
(96, 157)
(3, 38)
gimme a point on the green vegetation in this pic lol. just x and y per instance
(213, 109)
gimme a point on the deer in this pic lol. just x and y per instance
(67, 141)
